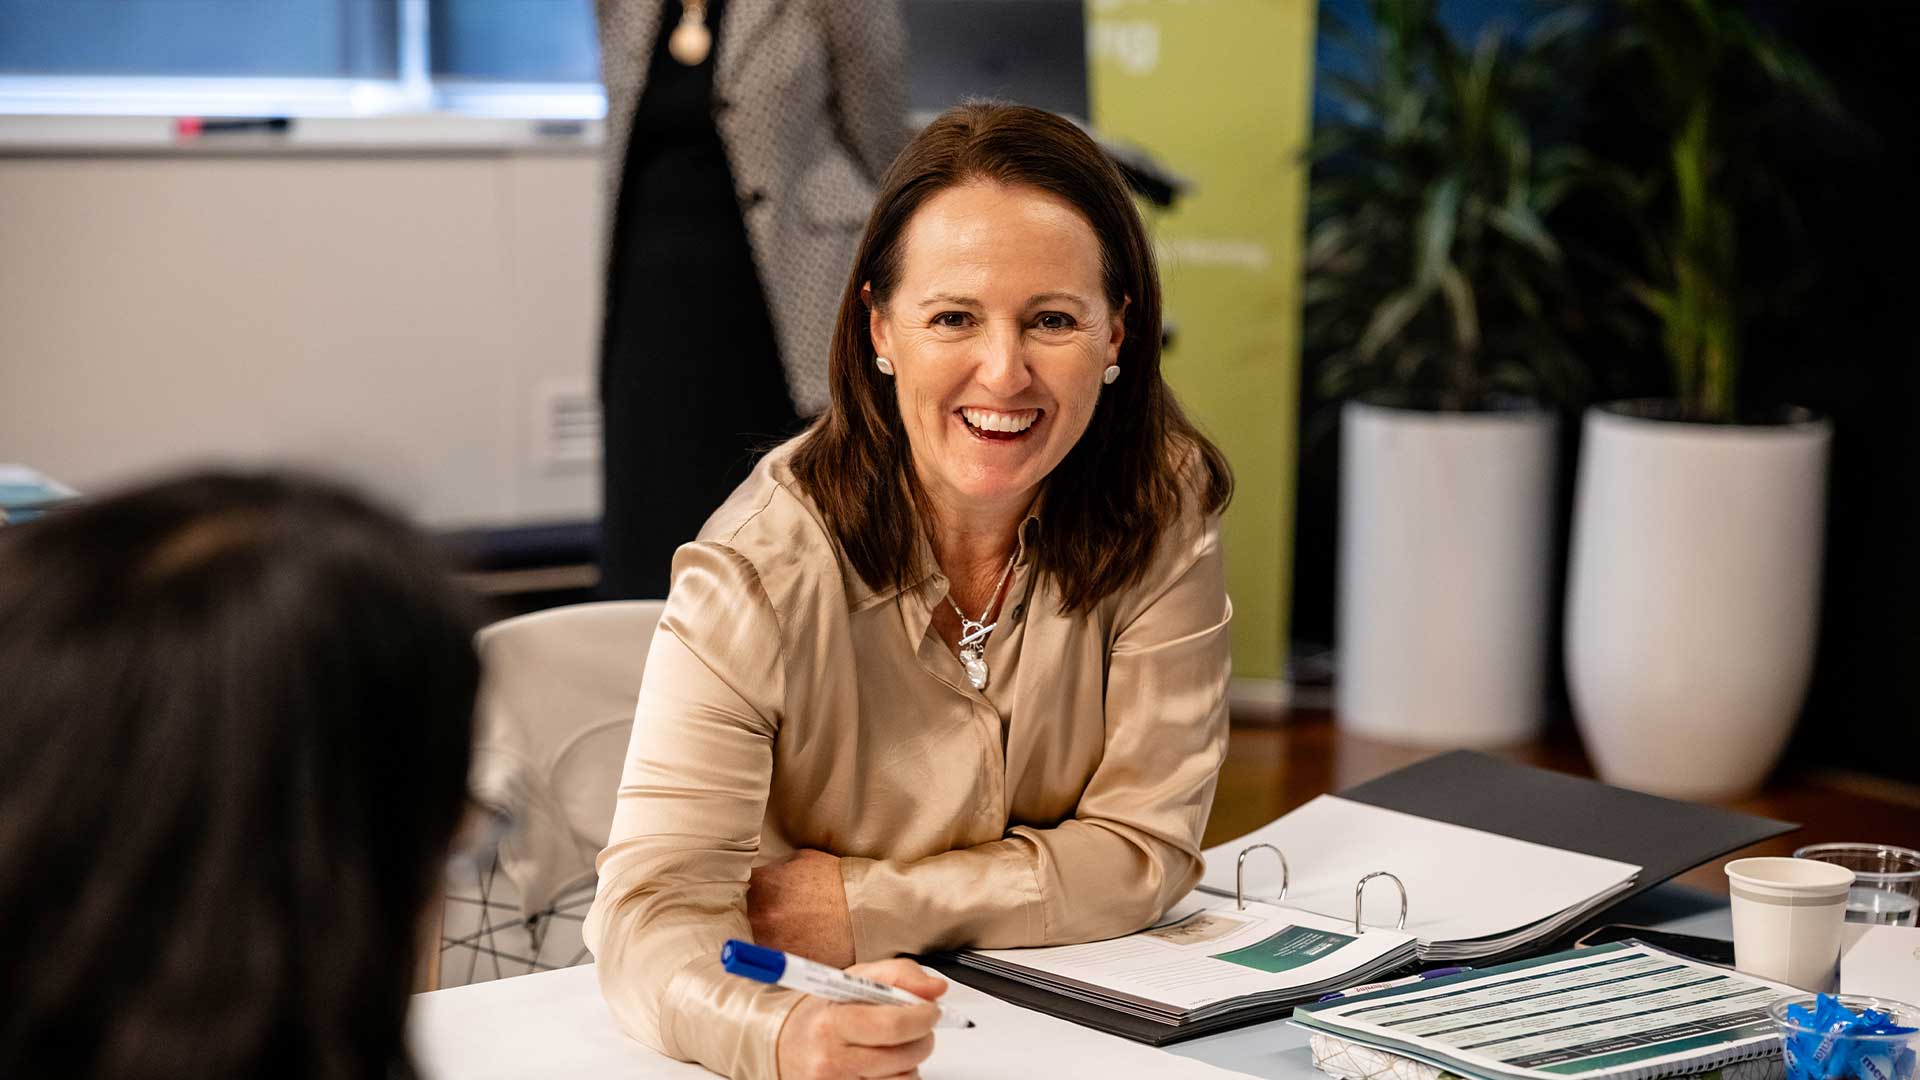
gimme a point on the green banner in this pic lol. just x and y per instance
(1218, 91)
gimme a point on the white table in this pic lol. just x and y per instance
(554, 1024)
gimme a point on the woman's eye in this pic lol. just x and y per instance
(952, 320)
(1055, 320)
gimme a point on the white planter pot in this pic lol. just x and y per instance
(1693, 595)
(1445, 533)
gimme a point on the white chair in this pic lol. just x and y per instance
(550, 741)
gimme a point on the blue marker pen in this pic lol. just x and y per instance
(1356, 991)
(810, 977)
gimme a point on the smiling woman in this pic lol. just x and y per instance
(998, 369)
(1017, 208)
(950, 668)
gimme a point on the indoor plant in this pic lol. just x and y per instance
(1694, 574)
(1433, 300)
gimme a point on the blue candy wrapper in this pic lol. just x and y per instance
(1833, 1047)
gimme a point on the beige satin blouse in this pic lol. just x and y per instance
(787, 705)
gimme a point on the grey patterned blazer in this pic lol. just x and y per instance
(810, 100)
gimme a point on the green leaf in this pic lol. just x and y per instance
(1519, 224)
(1660, 303)
(1460, 303)
(1779, 62)
(1320, 290)
(1558, 29)
(1355, 94)
(1433, 243)
(1389, 319)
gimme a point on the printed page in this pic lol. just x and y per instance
(1206, 951)
(1612, 1010)
(1461, 883)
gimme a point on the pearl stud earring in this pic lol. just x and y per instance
(885, 365)
(1109, 375)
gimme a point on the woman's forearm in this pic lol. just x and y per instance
(686, 826)
(656, 942)
(1080, 881)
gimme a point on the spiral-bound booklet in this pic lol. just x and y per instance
(1625, 1011)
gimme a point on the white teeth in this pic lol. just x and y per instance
(987, 420)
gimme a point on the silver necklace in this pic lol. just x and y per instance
(973, 632)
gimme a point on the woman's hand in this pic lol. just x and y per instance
(826, 1040)
(799, 905)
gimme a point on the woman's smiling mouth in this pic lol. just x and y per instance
(996, 426)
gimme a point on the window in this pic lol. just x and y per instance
(527, 41)
(299, 57)
(282, 39)
(515, 57)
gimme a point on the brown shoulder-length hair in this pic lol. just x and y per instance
(1127, 479)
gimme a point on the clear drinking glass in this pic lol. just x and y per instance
(1886, 880)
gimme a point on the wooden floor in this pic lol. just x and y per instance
(1273, 767)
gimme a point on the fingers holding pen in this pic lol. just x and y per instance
(834, 1041)
(884, 1025)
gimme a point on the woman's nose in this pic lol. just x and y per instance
(1003, 365)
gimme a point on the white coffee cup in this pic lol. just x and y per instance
(1787, 919)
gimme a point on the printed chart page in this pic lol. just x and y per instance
(1622, 1010)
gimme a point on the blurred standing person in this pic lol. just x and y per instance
(745, 139)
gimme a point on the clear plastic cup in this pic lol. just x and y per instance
(1886, 880)
(1872, 1057)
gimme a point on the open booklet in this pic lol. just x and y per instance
(1470, 894)
(1206, 962)
(1625, 1011)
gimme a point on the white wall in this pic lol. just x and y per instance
(398, 318)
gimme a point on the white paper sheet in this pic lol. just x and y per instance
(1461, 883)
(1882, 961)
(554, 1024)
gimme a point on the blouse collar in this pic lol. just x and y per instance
(932, 583)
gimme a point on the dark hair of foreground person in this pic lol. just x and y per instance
(235, 722)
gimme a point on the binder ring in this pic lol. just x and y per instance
(1359, 892)
(1240, 873)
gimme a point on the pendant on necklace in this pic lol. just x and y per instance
(691, 40)
(973, 632)
(973, 651)
(974, 659)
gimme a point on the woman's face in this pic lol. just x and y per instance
(998, 330)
